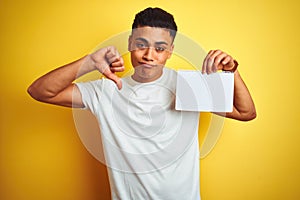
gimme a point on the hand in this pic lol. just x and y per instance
(218, 60)
(107, 60)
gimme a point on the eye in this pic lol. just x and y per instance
(140, 45)
(160, 49)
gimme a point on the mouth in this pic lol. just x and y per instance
(146, 65)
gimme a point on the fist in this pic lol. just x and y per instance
(218, 60)
(107, 60)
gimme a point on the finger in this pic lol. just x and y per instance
(118, 63)
(115, 61)
(217, 63)
(204, 66)
(114, 78)
(226, 60)
(117, 66)
(229, 65)
(113, 55)
(111, 58)
(212, 66)
(117, 69)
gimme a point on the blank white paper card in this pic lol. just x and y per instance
(201, 92)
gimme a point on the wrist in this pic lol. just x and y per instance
(88, 64)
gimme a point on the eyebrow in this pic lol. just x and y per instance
(146, 41)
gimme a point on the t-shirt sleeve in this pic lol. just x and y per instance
(91, 93)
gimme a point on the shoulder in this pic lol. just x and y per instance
(169, 72)
(98, 85)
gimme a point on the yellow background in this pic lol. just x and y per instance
(41, 155)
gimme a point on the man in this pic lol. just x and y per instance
(151, 149)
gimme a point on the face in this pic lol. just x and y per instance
(150, 49)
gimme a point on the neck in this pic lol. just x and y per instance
(143, 78)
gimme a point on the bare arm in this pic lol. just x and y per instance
(57, 87)
(243, 105)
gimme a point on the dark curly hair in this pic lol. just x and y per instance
(155, 17)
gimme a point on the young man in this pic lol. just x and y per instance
(150, 148)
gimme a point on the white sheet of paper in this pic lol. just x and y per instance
(201, 92)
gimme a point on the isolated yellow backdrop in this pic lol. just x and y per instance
(41, 155)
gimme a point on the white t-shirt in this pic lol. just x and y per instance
(151, 149)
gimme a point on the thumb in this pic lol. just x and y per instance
(114, 78)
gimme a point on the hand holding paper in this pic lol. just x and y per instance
(218, 60)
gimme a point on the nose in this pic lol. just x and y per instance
(149, 54)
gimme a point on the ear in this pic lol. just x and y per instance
(171, 51)
(129, 43)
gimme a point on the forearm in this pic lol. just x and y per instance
(52, 83)
(243, 105)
